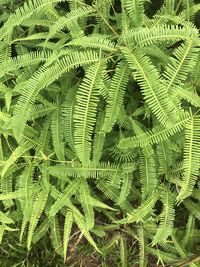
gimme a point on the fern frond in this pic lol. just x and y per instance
(148, 175)
(189, 95)
(57, 131)
(4, 219)
(158, 34)
(169, 7)
(40, 231)
(6, 186)
(67, 231)
(166, 218)
(86, 204)
(192, 207)
(68, 112)
(162, 255)
(92, 170)
(69, 19)
(110, 191)
(38, 207)
(142, 211)
(42, 78)
(191, 157)
(32, 58)
(97, 203)
(64, 196)
(23, 13)
(16, 154)
(56, 239)
(85, 111)
(165, 156)
(126, 187)
(182, 62)
(12, 195)
(155, 136)
(188, 11)
(154, 91)
(25, 184)
(99, 138)
(82, 226)
(142, 247)
(94, 41)
(189, 230)
(123, 252)
(115, 95)
(135, 10)
(41, 110)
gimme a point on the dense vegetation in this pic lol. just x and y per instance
(99, 133)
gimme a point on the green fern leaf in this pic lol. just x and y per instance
(64, 196)
(56, 239)
(57, 132)
(67, 231)
(157, 135)
(135, 10)
(115, 95)
(42, 78)
(143, 210)
(68, 112)
(86, 204)
(182, 62)
(125, 189)
(69, 19)
(148, 175)
(85, 111)
(94, 41)
(166, 218)
(154, 91)
(158, 34)
(38, 207)
(191, 158)
(23, 13)
(16, 154)
(82, 226)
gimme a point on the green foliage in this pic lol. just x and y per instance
(99, 133)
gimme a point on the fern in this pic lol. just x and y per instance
(191, 158)
(167, 217)
(67, 230)
(143, 210)
(38, 207)
(57, 131)
(116, 92)
(154, 93)
(63, 197)
(99, 132)
(86, 108)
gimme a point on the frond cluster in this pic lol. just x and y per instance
(100, 127)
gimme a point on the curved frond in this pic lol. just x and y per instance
(158, 34)
(42, 78)
(67, 231)
(85, 111)
(64, 196)
(143, 210)
(57, 131)
(191, 157)
(153, 89)
(86, 204)
(166, 218)
(157, 135)
(38, 207)
(115, 95)
(69, 19)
